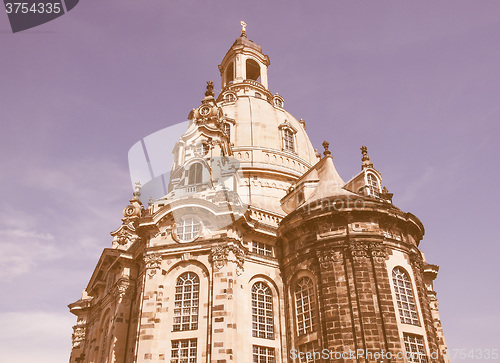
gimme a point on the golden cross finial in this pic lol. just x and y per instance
(243, 28)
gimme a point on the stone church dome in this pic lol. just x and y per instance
(261, 126)
(271, 145)
(258, 251)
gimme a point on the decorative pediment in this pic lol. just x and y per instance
(125, 236)
(287, 125)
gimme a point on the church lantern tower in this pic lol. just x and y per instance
(258, 251)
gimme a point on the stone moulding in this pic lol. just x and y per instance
(152, 263)
(219, 256)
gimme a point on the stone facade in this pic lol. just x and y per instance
(259, 252)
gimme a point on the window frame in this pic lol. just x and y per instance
(268, 358)
(180, 306)
(415, 356)
(262, 249)
(307, 313)
(373, 190)
(413, 317)
(190, 358)
(262, 311)
(226, 129)
(288, 140)
(181, 225)
(229, 97)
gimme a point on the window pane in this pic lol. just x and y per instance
(187, 317)
(263, 354)
(404, 297)
(304, 304)
(264, 314)
(415, 349)
(183, 351)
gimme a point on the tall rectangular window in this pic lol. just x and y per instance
(263, 354)
(183, 351)
(373, 186)
(415, 349)
(304, 306)
(404, 297)
(262, 249)
(262, 311)
(226, 128)
(187, 297)
(288, 140)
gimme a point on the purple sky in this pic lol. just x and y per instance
(418, 82)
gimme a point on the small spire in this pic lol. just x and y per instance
(210, 89)
(137, 191)
(365, 159)
(243, 29)
(303, 123)
(386, 195)
(327, 152)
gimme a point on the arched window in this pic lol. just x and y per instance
(404, 297)
(288, 144)
(187, 295)
(262, 311)
(195, 174)
(104, 348)
(230, 73)
(229, 97)
(304, 306)
(373, 186)
(188, 229)
(226, 128)
(253, 70)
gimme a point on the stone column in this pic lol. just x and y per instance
(227, 265)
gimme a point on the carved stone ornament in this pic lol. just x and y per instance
(358, 250)
(125, 235)
(378, 252)
(240, 259)
(326, 258)
(152, 263)
(123, 289)
(219, 257)
(78, 336)
(416, 260)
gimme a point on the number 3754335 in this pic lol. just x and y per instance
(36, 8)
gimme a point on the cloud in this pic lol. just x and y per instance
(22, 250)
(67, 210)
(26, 234)
(32, 336)
(444, 178)
(416, 187)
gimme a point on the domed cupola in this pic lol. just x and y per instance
(270, 144)
(244, 62)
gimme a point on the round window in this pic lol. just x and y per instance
(188, 229)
